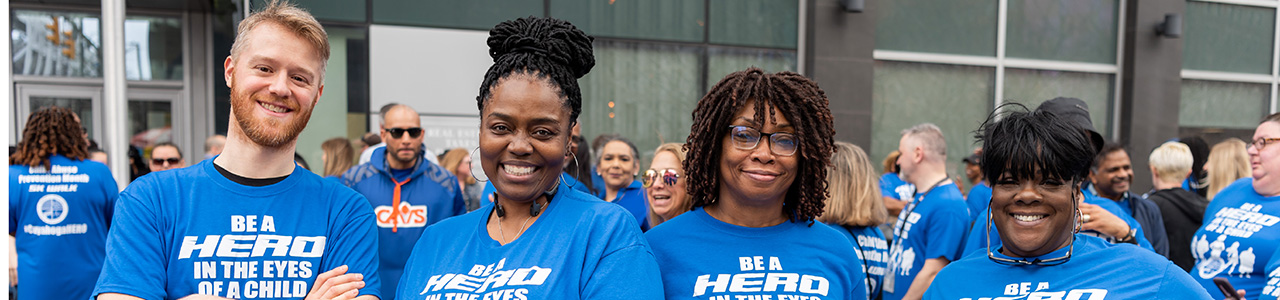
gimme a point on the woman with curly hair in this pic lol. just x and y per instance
(756, 173)
(541, 238)
(60, 227)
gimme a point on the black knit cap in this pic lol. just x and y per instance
(1076, 112)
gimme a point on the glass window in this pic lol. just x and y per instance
(1070, 30)
(83, 107)
(346, 81)
(956, 98)
(1228, 38)
(722, 61)
(151, 123)
(644, 92)
(763, 23)
(60, 44)
(952, 27)
(153, 48)
(675, 20)
(1031, 87)
(1227, 105)
(473, 14)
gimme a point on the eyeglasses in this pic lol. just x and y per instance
(669, 177)
(1262, 142)
(396, 133)
(747, 138)
(161, 161)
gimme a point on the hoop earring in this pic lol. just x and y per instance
(474, 160)
(575, 168)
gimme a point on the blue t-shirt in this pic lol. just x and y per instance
(977, 237)
(704, 258)
(978, 199)
(59, 220)
(193, 231)
(872, 249)
(892, 186)
(1237, 239)
(634, 200)
(933, 225)
(579, 248)
(1097, 270)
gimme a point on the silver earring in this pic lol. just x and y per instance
(476, 167)
(575, 168)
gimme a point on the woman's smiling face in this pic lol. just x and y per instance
(524, 135)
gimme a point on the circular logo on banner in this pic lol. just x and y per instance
(52, 209)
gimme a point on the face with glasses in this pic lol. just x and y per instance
(1264, 159)
(758, 162)
(664, 185)
(1034, 216)
(166, 158)
(402, 133)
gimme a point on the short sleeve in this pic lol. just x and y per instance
(887, 187)
(628, 273)
(1177, 284)
(947, 231)
(355, 243)
(135, 260)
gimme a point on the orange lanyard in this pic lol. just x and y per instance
(395, 202)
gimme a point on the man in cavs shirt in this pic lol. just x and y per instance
(407, 192)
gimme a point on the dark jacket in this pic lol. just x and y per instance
(1183, 213)
(1148, 216)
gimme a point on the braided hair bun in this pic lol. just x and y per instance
(543, 47)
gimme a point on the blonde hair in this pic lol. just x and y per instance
(855, 190)
(452, 159)
(1171, 161)
(682, 205)
(338, 156)
(891, 162)
(292, 18)
(1228, 161)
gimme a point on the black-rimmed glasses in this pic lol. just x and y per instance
(396, 133)
(747, 138)
(668, 176)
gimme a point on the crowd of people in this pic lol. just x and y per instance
(760, 201)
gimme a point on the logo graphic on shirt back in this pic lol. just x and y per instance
(51, 209)
(410, 216)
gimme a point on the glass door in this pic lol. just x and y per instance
(83, 100)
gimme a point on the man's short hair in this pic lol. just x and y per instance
(1271, 118)
(382, 112)
(930, 138)
(1172, 161)
(371, 139)
(216, 140)
(294, 19)
(1107, 149)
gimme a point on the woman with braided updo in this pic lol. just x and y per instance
(756, 172)
(541, 239)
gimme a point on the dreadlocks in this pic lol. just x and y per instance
(799, 99)
(50, 131)
(544, 48)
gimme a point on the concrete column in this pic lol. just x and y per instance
(838, 47)
(114, 101)
(1151, 84)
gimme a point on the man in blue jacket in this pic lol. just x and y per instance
(407, 192)
(1111, 176)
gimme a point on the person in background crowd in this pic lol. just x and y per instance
(458, 162)
(980, 194)
(757, 174)
(407, 192)
(619, 164)
(665, 185)
(99, 156)
(213, 145)
(59, 227)
(1238, 238)
(1111, 178)
(137, 166)
(1198, 182)
(597, 145)
(558, 242)
(854, 208)
(892, 188)
(930, 230)
(1182, 210)
(336, 154)
(1035, 211)
(582, 170)
(367, 153)
(301, 161)
(166, 156)
(1228, 162)
(368, 140)
(174, 230)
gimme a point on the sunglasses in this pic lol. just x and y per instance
(161, 161)
(396, 133)
(669, 177)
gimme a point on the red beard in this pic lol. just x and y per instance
(268, 132)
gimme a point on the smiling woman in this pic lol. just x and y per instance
(1036, 214)
(541, 239)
